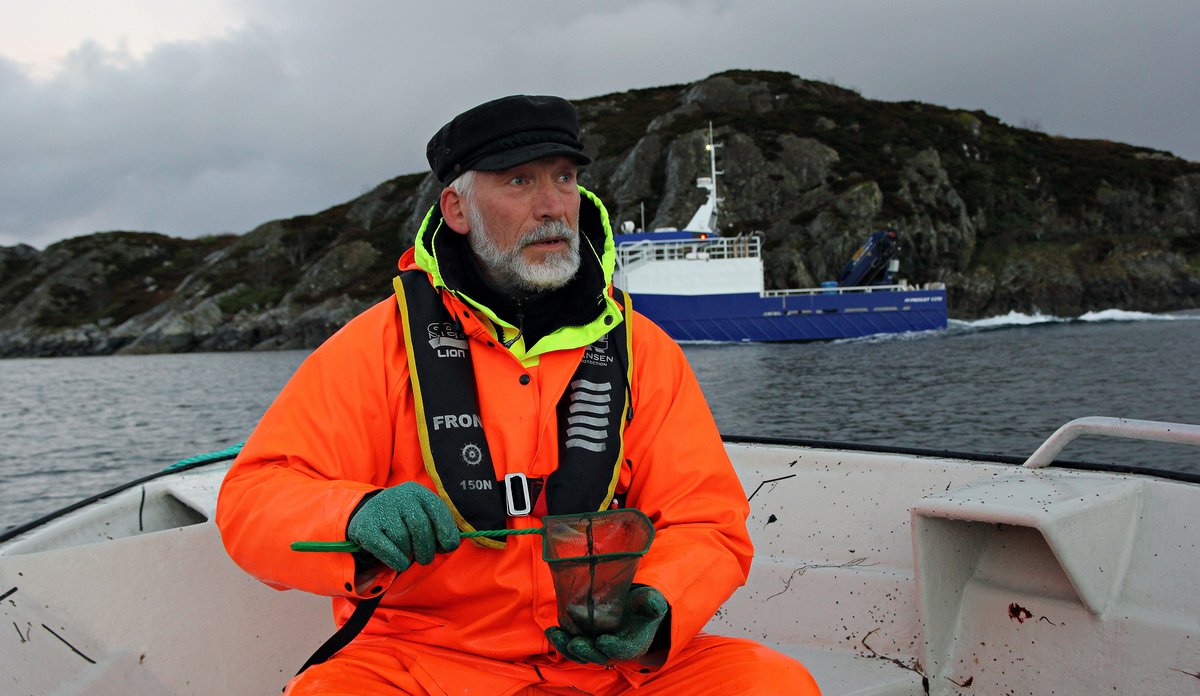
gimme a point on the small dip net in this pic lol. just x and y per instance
(593, 557)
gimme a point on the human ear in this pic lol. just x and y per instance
(454, 210)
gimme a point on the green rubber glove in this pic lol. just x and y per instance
(644, 613)
(404, 523)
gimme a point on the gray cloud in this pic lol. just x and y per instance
(308, 103)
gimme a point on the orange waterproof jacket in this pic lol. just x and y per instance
(345, 425)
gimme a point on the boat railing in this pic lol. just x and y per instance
(853, 289)
(630, 254)
(1179, 433)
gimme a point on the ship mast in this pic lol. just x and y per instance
(705, 219)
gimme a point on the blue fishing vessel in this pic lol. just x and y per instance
(701, 286)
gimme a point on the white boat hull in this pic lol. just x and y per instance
(884, 573)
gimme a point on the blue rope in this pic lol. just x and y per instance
(220, 455)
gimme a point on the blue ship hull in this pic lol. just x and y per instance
(818, 316)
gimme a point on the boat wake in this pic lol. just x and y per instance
(1016, 319)
(1122, 315)
(893, 337)
(1012, 320)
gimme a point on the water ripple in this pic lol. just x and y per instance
(73, 427)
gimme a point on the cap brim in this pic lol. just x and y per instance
(528, 153)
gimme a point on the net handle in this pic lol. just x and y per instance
(351, 547)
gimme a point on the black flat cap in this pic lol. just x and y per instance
(504, 133)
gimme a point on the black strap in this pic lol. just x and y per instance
(591, 413)
(345, 634)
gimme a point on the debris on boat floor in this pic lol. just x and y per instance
(787, 584)
(28, 626)
(915, 667)
(68, 644)
(1018, 612)
(763, 483)
(142, 512)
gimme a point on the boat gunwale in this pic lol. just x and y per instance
(225, 455)
(14, 532)
(1110, 468)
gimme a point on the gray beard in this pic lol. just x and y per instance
(510, 271)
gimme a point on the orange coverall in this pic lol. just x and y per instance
(473, 620)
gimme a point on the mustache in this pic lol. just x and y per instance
(555, 229)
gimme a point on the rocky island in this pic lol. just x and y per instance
(1008, 218)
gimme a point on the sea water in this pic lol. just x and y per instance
(74, 427)
(994, 386)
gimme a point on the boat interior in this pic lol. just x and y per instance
(885, 573)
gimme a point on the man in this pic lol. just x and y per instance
(505, 381)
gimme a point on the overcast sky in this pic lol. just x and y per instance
(211, 116)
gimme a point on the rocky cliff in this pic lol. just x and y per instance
(1009, 219)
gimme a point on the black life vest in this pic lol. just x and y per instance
(592, 414)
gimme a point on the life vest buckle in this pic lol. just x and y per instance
(516, 495)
